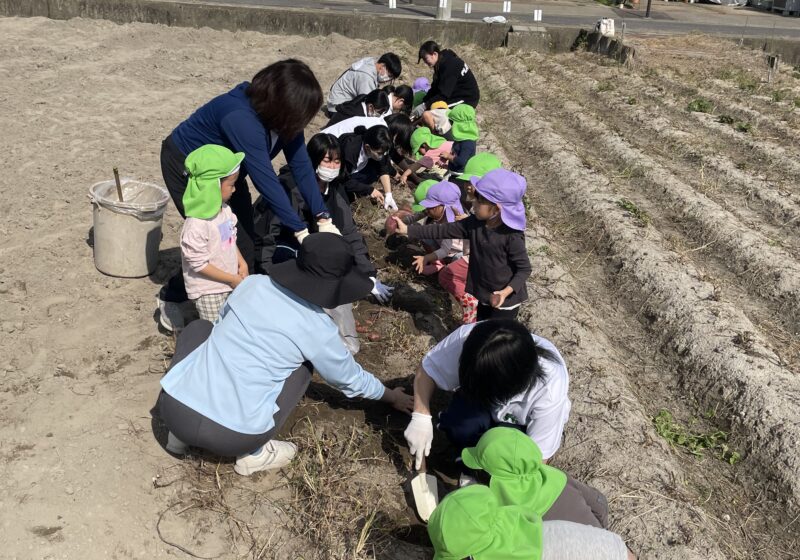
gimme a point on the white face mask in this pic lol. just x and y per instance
(327, 174)
(383, 78)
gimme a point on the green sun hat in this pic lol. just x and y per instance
(470, 523)
(206, 166)
(519, 478)
(420, 193)
(479, 165)
(465, 127)
(423, 135)
(419, 97)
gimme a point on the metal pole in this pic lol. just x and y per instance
(647, 13)
(444, 9)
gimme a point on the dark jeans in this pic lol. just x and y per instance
(192, 428)
(489, 312)
(465, 422)
(176, 179)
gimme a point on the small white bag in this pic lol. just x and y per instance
(605, 27)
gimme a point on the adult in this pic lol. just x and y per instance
(275, 243)
(260, 118)
(374, 104)
(502, 375)
(401, 99)
(365, 158)
(453, 83)
(233, 384)
(362, 77)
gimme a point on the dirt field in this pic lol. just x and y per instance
(665, 251)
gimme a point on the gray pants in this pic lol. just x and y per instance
(563, 540)
(194, 429)
(579, 503)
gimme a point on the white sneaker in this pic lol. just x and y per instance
(273, 455)
(176, 446)
(170, 315)
(466, 480)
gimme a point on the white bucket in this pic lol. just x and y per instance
(127, 234)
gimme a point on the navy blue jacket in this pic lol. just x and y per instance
(229, 120)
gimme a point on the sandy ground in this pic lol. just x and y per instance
(685, 299)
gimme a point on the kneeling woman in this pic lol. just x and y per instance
(232, 384)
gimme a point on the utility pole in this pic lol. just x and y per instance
(647, 13)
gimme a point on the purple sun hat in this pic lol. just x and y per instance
(445, 194)
(421, 84)
(505, 189)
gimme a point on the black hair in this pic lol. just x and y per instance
(393, 65)
(286, 96)
(428, 47)
(376, 137)
(379, 99)
(322, 145)
(402, 92)
(499, 360)
(400, 130)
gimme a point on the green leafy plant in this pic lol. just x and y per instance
(641, 216)
(744, 127)
(695, 443)
(726, 119)
(631, 101)
(700, 105)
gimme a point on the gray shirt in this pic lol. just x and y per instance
(360, 79)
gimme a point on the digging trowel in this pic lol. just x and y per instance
(425, 490)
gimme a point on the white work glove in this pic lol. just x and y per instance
(381, 291)
(389, 203)
(419, 436)
(300, 235)
(418, 110)
(328, 227)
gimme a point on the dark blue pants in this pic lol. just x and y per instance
(465, 422)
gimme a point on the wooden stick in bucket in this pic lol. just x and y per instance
(119, 185)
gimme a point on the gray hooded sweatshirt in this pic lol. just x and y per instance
(360, 79)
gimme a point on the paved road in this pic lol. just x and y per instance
(666, 17)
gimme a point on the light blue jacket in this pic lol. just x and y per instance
(264, 333)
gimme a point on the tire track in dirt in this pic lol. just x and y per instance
(778, 206)
(782, 159)
(681, 305)
(774, 271)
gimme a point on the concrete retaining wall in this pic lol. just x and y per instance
(264, 19)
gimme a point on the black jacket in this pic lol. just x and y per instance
(353, 108)
(350, 145)
(497, 257)
(270, 233)
(453, 81)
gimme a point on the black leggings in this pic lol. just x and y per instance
(176, 178)
(192, 428)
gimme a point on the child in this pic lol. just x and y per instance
(365, 158)
(465, 136)
(471, 523)
(451, 258)
(519, 477)
(428, 150)
(498, 264)
(212, 264)
(477, 166)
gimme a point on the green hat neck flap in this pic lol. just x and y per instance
(514, 462)
(206, 166)
(471, 523)
(465, 126)
(423, 135)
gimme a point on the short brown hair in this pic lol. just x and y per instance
(286, 95)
